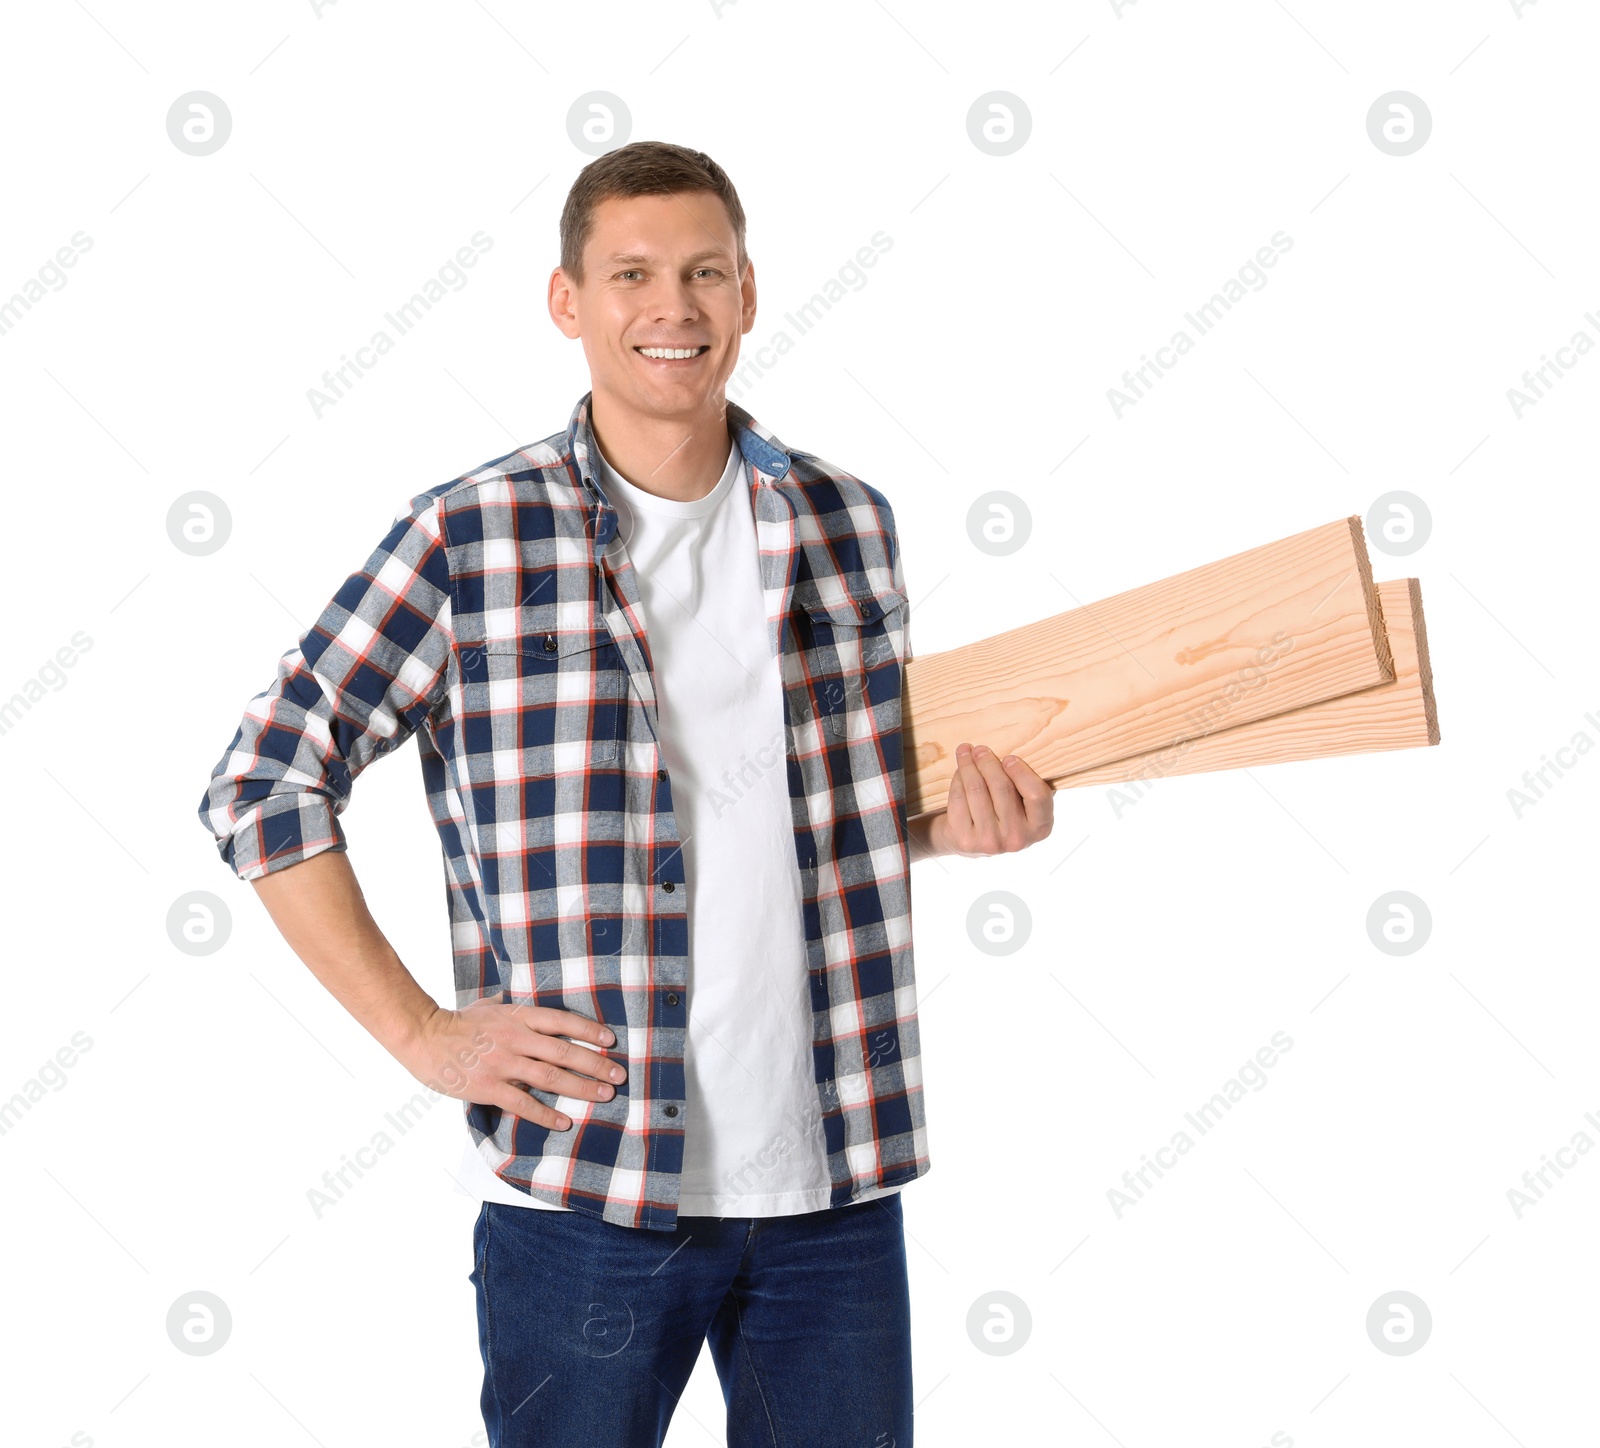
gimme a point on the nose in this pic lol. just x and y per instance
(671, 301)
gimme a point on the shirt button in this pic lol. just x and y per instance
(661, 774)
(671, 1110)
(672, 997)
(668, 886)
(549, 643)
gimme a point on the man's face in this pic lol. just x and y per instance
(660, 272)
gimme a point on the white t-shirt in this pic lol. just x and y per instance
(753, 1144)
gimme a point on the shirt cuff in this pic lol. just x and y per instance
(282, 830)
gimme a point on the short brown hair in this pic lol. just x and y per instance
(642, 168)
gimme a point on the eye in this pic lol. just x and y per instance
(631, 272)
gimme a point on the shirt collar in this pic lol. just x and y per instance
(769, 462)
(759, 446)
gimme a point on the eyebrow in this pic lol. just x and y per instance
(711, 253)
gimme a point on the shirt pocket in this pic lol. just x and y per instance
(854, 652)
(550, 703)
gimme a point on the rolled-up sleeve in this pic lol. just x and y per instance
(359, 683)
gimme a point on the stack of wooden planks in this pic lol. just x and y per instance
(1287, 651)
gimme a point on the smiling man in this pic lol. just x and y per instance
(653, 664)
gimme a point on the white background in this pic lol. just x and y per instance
(1168, 143)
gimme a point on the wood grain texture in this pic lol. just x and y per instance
(1401, 714)
(1260, 633)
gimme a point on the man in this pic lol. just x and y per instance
(653, 664)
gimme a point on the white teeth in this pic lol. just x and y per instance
(669, 353)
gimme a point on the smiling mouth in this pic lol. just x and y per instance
(673, 354)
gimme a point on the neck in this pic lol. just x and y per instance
(673, 457)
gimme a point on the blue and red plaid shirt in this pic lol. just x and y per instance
(499, 621)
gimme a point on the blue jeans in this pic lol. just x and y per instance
(589, 1330)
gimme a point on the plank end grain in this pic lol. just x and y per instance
(1369, 590)
(1419, 632)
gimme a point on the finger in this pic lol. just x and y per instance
(979, 805)
(553, 1022)
(548, 1025)
(1010, 817)
(529, 1108)
(1038, 798)
(547, 1076)
(558, 1065)
(958, 816)
(583, 1029)
(519, 1053)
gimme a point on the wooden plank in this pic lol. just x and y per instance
(1268, 630)
(1401, 714)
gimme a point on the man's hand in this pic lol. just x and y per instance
(995, 807)
(484, 1054)
(488, 1051)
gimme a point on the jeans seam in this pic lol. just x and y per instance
(488, 1323)
(744, 1342)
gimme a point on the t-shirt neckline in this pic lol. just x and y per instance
(641, 500)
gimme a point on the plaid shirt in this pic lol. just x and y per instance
(499, 621)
